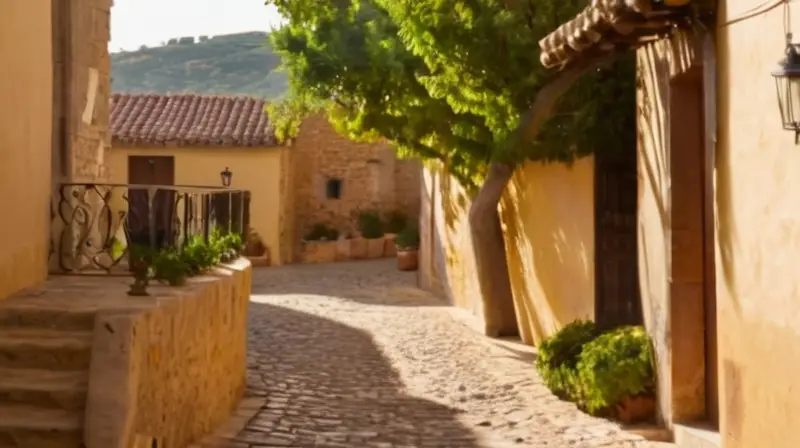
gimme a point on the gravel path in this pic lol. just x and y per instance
(354, 355)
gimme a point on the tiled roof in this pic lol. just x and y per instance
(608, 25)
(190, 120)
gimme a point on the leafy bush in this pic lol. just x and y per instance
(558, 358)
(370, 225)
(200, 256)
(169, 266)
(616, 365)
(408, 238)
(395, 222)
(321, 232)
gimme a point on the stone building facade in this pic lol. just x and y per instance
(332, 177)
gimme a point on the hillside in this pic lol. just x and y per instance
(230, 64)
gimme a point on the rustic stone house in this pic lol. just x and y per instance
(320, 177)
(333, 177)
(189, 139)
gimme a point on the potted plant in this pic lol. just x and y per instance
(140, 258)
(394, 223)
(169, 266)
(407, 244)
(320, 244)
(371, 227)
(255, 250)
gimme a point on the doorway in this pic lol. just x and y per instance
(146, 171)
(692, 287)
(617, 295)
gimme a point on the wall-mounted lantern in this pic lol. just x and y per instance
(787, 81)
(226, 177)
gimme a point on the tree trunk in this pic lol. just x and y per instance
(484, 218)
(490, 254)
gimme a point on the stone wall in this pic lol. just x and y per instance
(81, 88)
(169, 370)
(371, 178)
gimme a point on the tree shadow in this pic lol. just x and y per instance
(370, 282)
(329, 385)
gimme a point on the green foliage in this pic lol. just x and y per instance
(200, 256)
(616, 365)
(370, 224)
(395, 221)
(557, 358)
(597, 370)
(231, 64)
(448, 79)
(169, 266)
(407, 239)
(322, 232)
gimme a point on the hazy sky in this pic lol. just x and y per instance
(150, 22)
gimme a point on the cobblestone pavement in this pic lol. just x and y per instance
(353, 355)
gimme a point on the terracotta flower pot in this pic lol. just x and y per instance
(375, 247)
(358, 248)
(389, 248)
(407, 259)
(636, 409)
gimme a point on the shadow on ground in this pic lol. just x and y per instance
(371, 282)
(329, 385)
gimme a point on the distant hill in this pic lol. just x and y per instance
(230, 64)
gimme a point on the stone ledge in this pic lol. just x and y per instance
(172, 366)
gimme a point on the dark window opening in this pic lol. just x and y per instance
(333, 189)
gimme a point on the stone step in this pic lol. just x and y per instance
(54, 319)
(44, 388)
(35, 348)
(32, 427)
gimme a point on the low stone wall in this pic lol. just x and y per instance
(172, 368)
(347, 249)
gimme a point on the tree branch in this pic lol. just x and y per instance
(532, 120)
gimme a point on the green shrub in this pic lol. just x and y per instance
(321, 232)
(370, 225)
(169, 266)
(201, 256)
(616, 365)
(408, 238)
(558, 355)
(395, 222)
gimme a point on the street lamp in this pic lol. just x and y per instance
(787, 81)
(226, 177)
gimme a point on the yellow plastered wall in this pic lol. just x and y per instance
(758, 235)
(547, 213)
(255, 169)
(25, 139)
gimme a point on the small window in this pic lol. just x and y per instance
(333, 189)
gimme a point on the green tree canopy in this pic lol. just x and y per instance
(458, 81)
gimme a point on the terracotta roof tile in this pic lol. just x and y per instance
(190, 120)
(608, 25)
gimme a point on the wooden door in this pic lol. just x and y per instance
(144, 171)
(617, 296)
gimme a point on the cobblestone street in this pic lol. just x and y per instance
(354, 355)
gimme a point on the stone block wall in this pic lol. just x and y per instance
(372, 178)
(81, 89)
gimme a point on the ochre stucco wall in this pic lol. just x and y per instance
(255, 169)
(548, 213)
(758, 236)
(548, 218)
(25, 138)
(170, 369)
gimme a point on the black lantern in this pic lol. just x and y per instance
(787, 80)
(226, 177)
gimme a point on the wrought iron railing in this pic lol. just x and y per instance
(93, 226)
